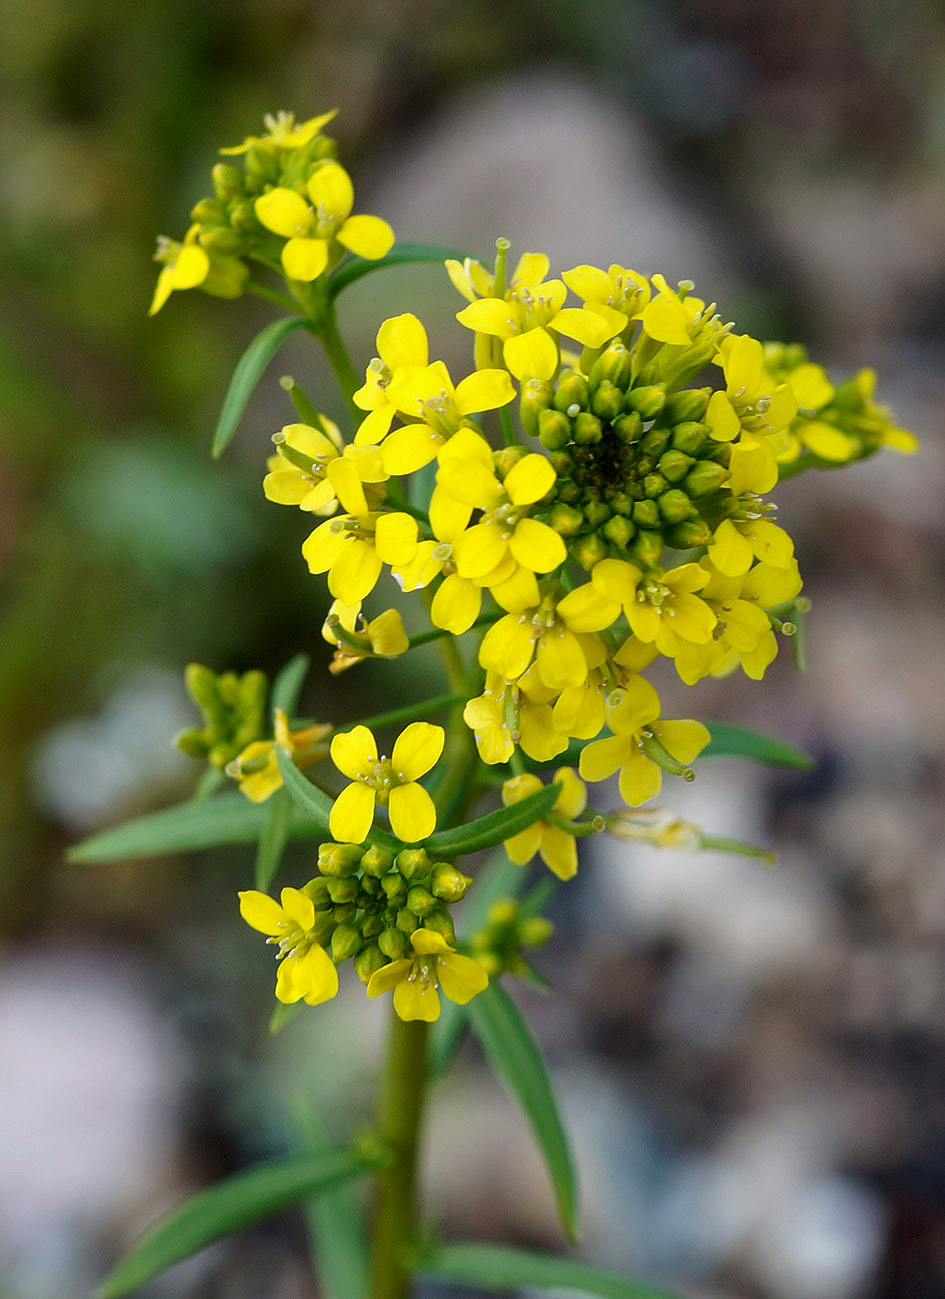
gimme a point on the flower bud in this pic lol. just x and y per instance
(689, 437)
(675, 506)
(571, 391)
(507, 458)
(648, 401)
(195, 742)
(243, 217)
(377, 861)
(565, 520)
(704, 478)
(587, 429)
(690, 404)
(535, 931)
(614, 365)
(393, 943)
(554, 429)
(647, 546)
(368, 961)
(674, 465)
(646, 514)
(420, 900)
(655, 441)
(588, 550)
(596, 512)
(654, 485)
(447, 883)
(339, 858)
(691, 533)
(407, 922)
(372, 925)
(619, 531)
(317, 890)
(607, 401)
(629, 427)
(441, 922)
(227, 180)
(345, 942)
(537, 396)
(413, 863)
(342, 891)
(220, 239)
(395, 889)
(344, 912)
(562, 462)
(569, 491)
(209, 212)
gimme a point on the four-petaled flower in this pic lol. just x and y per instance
(306, 971)
(257, 768)
(390, 782)
(556, 847)
(414, 979)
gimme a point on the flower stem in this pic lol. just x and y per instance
(337, 353)
(400, 1110)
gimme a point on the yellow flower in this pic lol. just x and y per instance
(658, 602)
(390, 782)
(282, 132)
(315, 470)
(381, 638)
(617, 289)
(190, 266)
(738, 542)
(257, 768)
(312, 228)
(637, 742)
(751, 409)
(414, 979)
(401, 340)
(306, 971)
(555, 633)
(531, 306)
(353, 548)
(557, 848)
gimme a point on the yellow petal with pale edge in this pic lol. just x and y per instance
(368, 236)
(352, 813)
(532, 355)
(417, 749)
(412, 814)
(263, 913)
(461, 978)
(354, 752)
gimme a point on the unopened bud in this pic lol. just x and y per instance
(227, 180)
(413, 863)
(704, 478)
(588, 550)
(619, 531)
(587, 429)
(317, 890)
(607, 401)
(674, 465)
(690, 404)
(345, 942)
(566, 520)
(420, 900)
(407, 922)
(535, 931)
(393, 943)
(554, 429)
(655, 441)
(537, 396)
(395, 889)
(562, 462)
(654, 485)
(648, 401)
(243, 218)
(687, 535)
(220, 239)
(342, 891)
(689, 437)
(613, 365)
(629, 427)
(209, 212)
(571, 391)
(377, 861)
(339, 859)
(448, 884)
(507, 458)
(372, 925)
(368, 961)
(441, 922)
(344, 912)
(646, 514)
(646, 547)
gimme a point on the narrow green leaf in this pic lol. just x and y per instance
(307, 797)
(283, 1013)
(248, 372)
(513, 1056)
(490, 830)
(210, 781)
(502, 1268)
(277, 820)
(400, 255)
(188, 827)
(230, 1206)
(288, 684)
(733, 741)
(335, 1221)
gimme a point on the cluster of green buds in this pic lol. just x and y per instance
(234, 713)
(636, 468)
(509, 931)
(369, 901)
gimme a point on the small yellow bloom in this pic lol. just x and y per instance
(315, 470)
(414, 979)
(282, 132)
(659, 606)
(188, 265)
(381, 638)
(257, 768)
(389, 782)
(314, 228)
(306, 971)
(557, 848)
(353, 548)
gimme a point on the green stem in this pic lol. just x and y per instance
(400, 1110)
(326, 328)
(408, 713)
(272, 295)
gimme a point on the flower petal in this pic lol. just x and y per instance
(263, 913)
(460, 977)
(532, 355)
(415, 999)
(352, 814)
(536, 546)
(354, 752)
(305, 259)
(284, 212)
(388, 977)
(330, 188)
(417, 749)
(412, 814)
(368, 236)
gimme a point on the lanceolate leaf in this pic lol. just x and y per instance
(248, 372)
(400, 255)
(288, 685)
(515, 1058)
(490, 830)
(273, 838)
(230, 1206)
(501, 1268)
(335, 1221)
(309, 798)
(729, 740)
(188, 827)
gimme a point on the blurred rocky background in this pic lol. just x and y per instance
(752, 1060)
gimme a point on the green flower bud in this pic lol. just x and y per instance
(343, 890)
(596, 512)
(607, 401)
(537, 396)
(675, 506)
(629, 427)
(685, 536)
(646, 514)
(689, 437)
(209, 212)
(368, 961)
(243, 217)
(339, 858)
(648, 401)
(420, 900)
(371, 925)
(343, 913)
(571, 391)
(507, 458)
(690, 404)
(622, 503)
(588, 550)
(655, 441)
(413, 863)
(376, 862)
(535, 931)
(647, 546)
(317, 890)
(554, 429)
(447, 883)
(565, 520)
(587, 429)
(227, 180)
(619, 531)
(220, 239)
(441, 922)
(614, 365)
(674, 465)
(201, 684)
(345, 942)
(395, 889)
(407, 922)
(654, 485)
(393, 943)
(704, 478)
(569, 491)
(562, 462)
(195, 743)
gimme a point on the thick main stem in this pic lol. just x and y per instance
(400, 1111)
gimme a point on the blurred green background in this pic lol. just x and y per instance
(791, 159)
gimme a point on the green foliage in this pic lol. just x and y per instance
(502, 1268)
(248, 372)
(729, 740)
